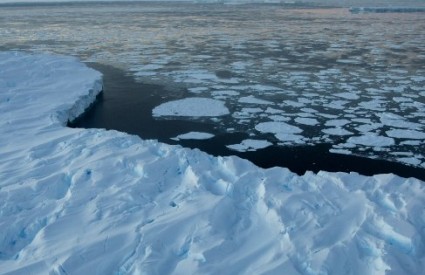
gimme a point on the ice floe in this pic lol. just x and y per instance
(406, 134)
(371, 139)
(277, 127)
(307, 121)
(192, 107)
(194, 135)
(249, 145)
(337, 131)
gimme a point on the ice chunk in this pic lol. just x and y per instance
(336, 131)
(337, 122)
(351, 96)
(307, 121)
(253, 100)
(249, 145)
(277, 127)
(405, 134)
(194, 135)
(371, 139)
(193, 106)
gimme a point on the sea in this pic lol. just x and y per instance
(305, 87)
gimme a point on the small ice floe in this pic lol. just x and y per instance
(194, 135)
(337, 122)
(405, 134)
(350, 96)
(198, 90)
(410, 160)
(249, 145)
(225, 93)
(277, 127)
(337, 131)
(290, 138)
(253, 100)
(371, 139)
(191, 107)
(282, 131)
(340, 151)
(307, 121)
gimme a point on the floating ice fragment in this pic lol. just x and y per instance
(307, 121)
(252, 100)
(277, 127)
(407, 134)
(194, 135)
(249, 145)
(347, 95)
(194, 106)
(371, 139)
(411, 161)
(290, 138)
(337, 122)
(337, 131)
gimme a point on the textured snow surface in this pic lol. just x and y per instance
(78, 201)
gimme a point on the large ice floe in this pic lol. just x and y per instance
(91, 201)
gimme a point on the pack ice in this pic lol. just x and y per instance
(91, 201)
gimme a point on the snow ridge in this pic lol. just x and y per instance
(91, 201)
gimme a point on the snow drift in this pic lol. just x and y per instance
(78, 201)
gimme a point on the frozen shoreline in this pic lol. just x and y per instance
(81, 201)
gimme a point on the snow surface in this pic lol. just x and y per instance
(91, 201)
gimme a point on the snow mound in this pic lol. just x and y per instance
(91, 201)
(192, 107)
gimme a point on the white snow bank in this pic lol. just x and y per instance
(194, 107)
(77, 201)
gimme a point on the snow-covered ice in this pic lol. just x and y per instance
(192, 107)
(371, 139)
(194, 135)
(406, 134)
(252, 100)
(249, 145)
(337, 131)
(277, 127)
(307, 121)
(91, 201)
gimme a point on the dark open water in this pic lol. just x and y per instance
(126, 106)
